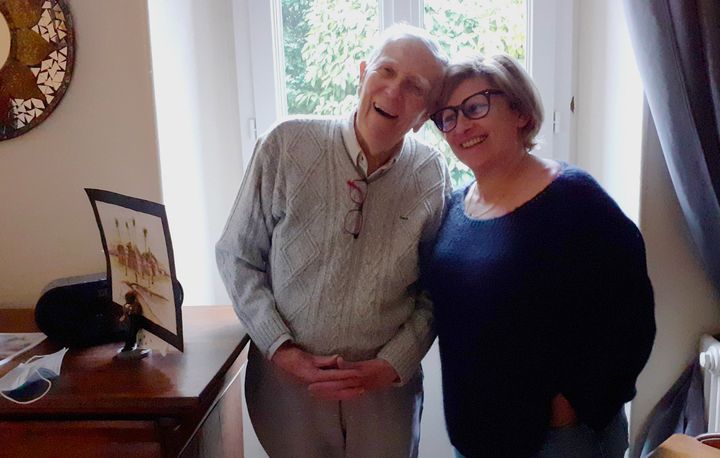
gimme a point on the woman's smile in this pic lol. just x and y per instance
(473, 141)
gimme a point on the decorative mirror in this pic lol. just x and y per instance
(36, 61)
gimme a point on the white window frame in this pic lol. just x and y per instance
(550, 51)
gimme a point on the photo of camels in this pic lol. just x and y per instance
(139, 262)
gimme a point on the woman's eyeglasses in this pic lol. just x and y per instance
(474, 107)
(354, 218)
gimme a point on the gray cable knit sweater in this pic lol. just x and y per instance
(291, 270)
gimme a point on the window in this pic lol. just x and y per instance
(323, 41)
(306, 54)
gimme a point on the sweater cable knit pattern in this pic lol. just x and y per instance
(293, 273)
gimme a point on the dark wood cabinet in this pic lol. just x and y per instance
(182, 404)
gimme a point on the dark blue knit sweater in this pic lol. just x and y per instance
(551, 298)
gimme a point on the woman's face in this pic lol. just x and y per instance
(479, 143)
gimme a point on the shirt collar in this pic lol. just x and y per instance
(357, 156)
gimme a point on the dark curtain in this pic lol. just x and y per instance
(677, 47)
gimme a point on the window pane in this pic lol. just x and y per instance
(478, 26)
(324, 41)
(470, 27)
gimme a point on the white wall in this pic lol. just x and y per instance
(608, 102)
(102, 135)
(199, 131)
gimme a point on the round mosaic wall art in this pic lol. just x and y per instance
(36, 61)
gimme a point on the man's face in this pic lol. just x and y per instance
(395, 94)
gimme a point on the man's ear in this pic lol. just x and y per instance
(523, 121)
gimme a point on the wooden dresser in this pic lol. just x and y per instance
(183, 404)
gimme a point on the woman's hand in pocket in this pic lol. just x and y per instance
(562, 413)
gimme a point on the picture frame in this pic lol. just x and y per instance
(138, 250)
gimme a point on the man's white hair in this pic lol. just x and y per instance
(404, 31)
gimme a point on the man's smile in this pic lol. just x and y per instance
(384, 113)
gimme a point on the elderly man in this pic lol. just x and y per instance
(320, 254)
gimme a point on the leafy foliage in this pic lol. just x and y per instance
(324, 41)
(478, 26)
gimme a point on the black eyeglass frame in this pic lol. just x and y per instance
(357, 212)
(437, 116)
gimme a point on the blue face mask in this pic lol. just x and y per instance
(30, 381)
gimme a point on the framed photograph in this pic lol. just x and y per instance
(139, 256)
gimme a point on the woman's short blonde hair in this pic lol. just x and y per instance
(504, 73)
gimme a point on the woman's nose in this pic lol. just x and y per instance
(462, 121)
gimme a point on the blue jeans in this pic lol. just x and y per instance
(581, 441)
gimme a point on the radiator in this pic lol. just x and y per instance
(710, 363)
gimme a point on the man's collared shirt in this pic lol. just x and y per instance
(357, 155)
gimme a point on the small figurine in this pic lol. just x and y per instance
(132, 311)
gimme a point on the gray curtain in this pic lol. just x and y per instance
(681, 410)
(677, 47)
